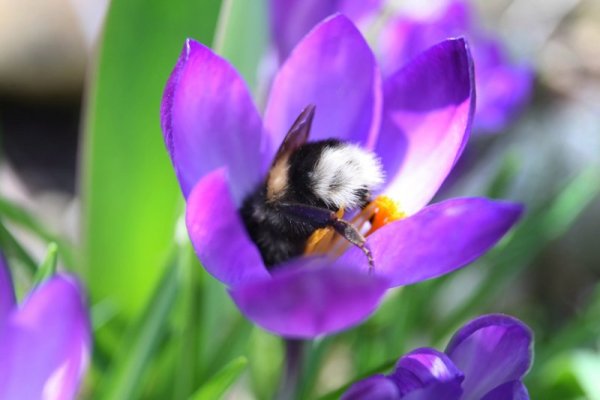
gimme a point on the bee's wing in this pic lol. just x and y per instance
(298, 133)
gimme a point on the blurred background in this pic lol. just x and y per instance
(83, 165)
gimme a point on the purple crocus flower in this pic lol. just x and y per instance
(44, 342)
(503, 87)
(417, 122)
(486, 359)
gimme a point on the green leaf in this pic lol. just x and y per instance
(123, 381)
(130, 196)
(586, 368)
(48, 266)
(267, 355)
(11, 246)
(233, 341)
(233, 329)
(504, 177)
(316, 352)
(189, 348)
(21, 217)
(571, 202)
(583, 328)
(558, 379)
(242, 36)
(216, 386)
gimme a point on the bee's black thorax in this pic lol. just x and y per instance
(278, 237)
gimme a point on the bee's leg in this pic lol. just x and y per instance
(321, 218)
(350, 233)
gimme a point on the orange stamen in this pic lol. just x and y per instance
(386, 211)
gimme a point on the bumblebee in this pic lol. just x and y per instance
(308, 187)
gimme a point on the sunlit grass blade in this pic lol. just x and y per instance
(232, 342)
(569, 375)
(266, 353)
(21, 217)
(123, 381)
(130, 198)
(586, 368)
(504, 177)
(224, 332)
(188, 352)
(571, 202)
(48, 266)
(582, 329)
(11, 246)
(242, 35)
(221, 381)
(315, 355)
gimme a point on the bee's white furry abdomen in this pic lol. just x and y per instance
(344, 174)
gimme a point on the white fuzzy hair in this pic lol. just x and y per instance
(342, 172)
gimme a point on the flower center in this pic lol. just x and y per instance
(386, 211)
(379, 212)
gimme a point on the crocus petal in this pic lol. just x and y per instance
(428, 109)
(7, 295)
(45, 346)
(405, 36)
(218, 234)
(503, 87)
(491, 350)
(292, 19)
(427, 365)
(209, 121)
(514, 390)
(427, 374)
(377, 387)
(334, 69)
(310, 297)
(439, 239)
(439, 391)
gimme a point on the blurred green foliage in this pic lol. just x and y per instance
(48, 267)
(129, 192)
(242, 35)
(216, 387)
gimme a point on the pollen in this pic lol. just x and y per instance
(385, 210)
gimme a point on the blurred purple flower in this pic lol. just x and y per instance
(44, 342)
(503, 87)
(417, 122)
(486, 359)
